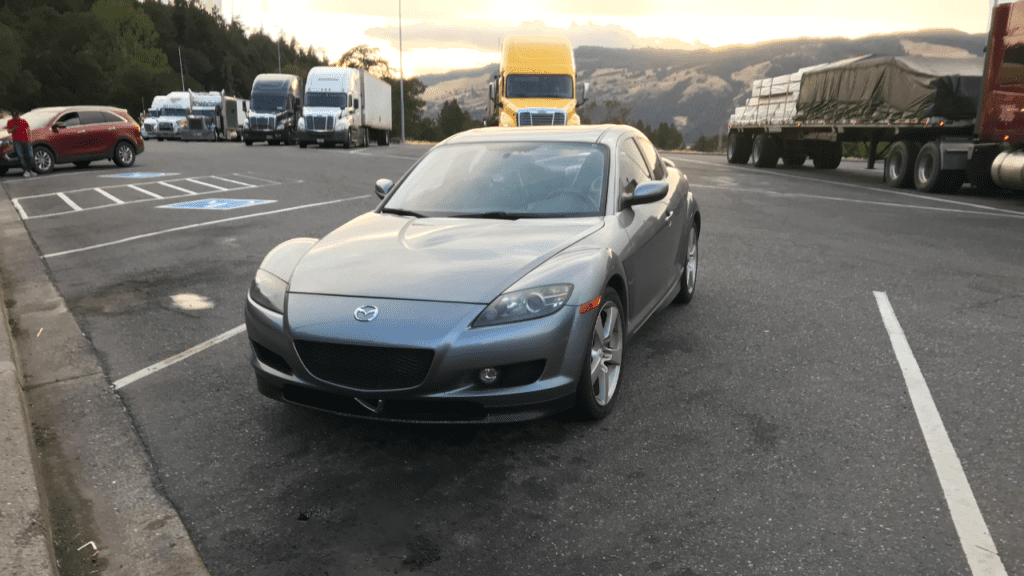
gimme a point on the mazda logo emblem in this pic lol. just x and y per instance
(366, 313)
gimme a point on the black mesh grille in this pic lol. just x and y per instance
(541, 119)
(365, 367)
(263, 123)
(320, 123)
(196, 124)
(166, 126)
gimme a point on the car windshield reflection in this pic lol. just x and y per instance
(504, 180)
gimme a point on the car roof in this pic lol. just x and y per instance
(75, 108)
(590, 134)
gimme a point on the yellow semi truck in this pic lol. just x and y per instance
(536, 83)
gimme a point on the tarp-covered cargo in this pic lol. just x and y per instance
(892, 88)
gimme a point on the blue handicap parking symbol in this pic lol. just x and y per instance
(139, 175)
(217, 204)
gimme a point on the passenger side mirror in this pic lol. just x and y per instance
(646, 193)
(583, 94)
(668, 163)
(383, 186)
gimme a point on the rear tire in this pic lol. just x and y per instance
(124, 154)
(765, 153)
(929, 177)
(899, 164)
(600, 376)
(738, 151)
(828, 156)
(793, 160)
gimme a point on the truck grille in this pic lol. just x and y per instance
(365, 367)
(319, 122)
(541, 118)
(166, 126)
(262, 123)
(196, 124)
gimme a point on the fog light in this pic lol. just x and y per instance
(489, 375)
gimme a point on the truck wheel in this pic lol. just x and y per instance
(765, 153)
(899, 164)
(793, 160)
(159, 139)
(302, 144)
(739, 148)
(929, 177)
(382, 138)
(248, 142)
(348, 140)
(386, 138)
(828, 156)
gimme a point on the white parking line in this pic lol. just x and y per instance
(205, 184)
(975, 539)
(231, 181)
(783, 174)
(177, 358)
(185, 190)
(144, 191)
(74, 206)
(856, 201)
(191, 226)
(115, 199)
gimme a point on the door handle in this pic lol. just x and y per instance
(668, 217)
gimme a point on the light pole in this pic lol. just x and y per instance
(181, 69)
(401, 73)
(279, 33)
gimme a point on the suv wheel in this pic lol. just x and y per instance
(44, 160)
(124, 154)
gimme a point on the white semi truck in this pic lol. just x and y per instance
(215, 116)
(153, 116)
(173, 116)
(345, 106)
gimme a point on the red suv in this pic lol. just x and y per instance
(78, 134)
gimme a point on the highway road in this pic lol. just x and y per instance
(842, 396)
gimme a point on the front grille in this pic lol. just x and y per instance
(527, 118)
(196, 124)
(166, 126)
(365, 367)
(263, 123)
(319, 122)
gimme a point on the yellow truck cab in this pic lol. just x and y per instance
(536, 83)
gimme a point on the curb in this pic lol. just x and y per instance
(98, 507)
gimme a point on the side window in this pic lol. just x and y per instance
(110, 117)
(91, 117)
(632, 168)
(651, 155)
(357, 104)
(70, 119)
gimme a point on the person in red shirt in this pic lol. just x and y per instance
(18, 128)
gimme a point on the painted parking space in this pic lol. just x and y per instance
(98, 197)
(217, 204)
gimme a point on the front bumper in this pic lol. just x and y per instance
(540, 359)
(323, 137)
(189, 134)
(9, 156)
(264, 135)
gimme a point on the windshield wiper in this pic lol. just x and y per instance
(402, 212)
(500, 215)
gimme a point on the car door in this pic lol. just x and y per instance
(673, 246)
(646, 226)
(67, 141)
(99, 134)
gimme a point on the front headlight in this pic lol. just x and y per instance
(280, 124)
(183, 123)
(524, 305)
(245, 125)
(6, 141)
(302, 123)
(268, 291)
(341, 125)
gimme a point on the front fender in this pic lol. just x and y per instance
(588, 270)
(281, 261)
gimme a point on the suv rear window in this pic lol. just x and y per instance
(111, 117)
(92, 117)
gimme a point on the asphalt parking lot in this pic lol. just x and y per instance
(842, 396)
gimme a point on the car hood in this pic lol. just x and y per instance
(465, 260)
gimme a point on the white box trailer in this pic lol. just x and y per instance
(345, 106)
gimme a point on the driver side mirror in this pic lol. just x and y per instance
(583, 94)
(383, 186)
(646, 193)
(58, 125)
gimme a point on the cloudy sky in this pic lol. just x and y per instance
(438, 36)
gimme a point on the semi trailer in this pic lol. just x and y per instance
(937, 122)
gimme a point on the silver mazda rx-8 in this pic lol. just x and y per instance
(499, 279)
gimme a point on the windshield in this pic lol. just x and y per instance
(327, 99)
(37, 118)
(154, 113)
(265, 103)
(538, 86)
(174, 112)
(208, 112)
(502, 179)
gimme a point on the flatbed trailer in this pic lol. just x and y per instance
(938, 123)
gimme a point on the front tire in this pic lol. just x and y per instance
(596, 391)
(43, 159)
(124, 154)
(248, 142)
(688, 283)
(302, 144)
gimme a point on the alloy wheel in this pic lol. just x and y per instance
(606, 353)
